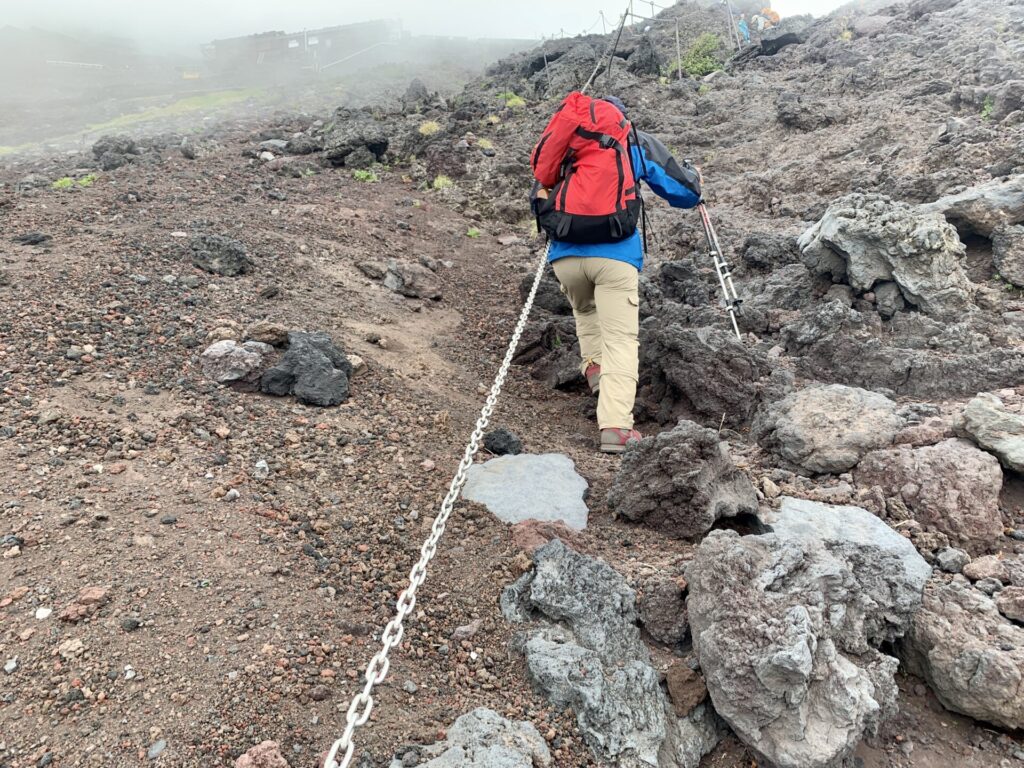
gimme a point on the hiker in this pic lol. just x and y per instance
(744, 28)
(760, 23)
(588, 165)
(772, 16)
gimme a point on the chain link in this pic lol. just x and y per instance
(362, 703)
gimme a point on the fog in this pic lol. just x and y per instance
(73, 69)
(187, 22)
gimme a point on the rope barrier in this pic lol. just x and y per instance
(361, 705)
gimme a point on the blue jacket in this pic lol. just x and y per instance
(676, 183)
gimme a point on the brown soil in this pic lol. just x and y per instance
(253, 619)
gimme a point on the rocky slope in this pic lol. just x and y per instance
(237, 373)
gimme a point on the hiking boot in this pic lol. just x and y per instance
(594, 377)
(614, 440)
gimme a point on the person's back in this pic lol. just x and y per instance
(744, 29)
(593, 171)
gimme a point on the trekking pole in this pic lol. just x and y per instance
(731, 300)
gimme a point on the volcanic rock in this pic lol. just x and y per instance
(502, 442)
(530, 487)
(680, 482)
(827, 428)
(951, 487)
(355, 139)
(863, 240)
(267, 754)
(971, 656)
(226, 360)
(111, 152)
(787, 625)
(313, 369)
(984, 208)
(482, 739)
(220, 255)
(549, 294)
(994, 429)
(590, 657)
(405, 278)
(663, 608)
(701, 373)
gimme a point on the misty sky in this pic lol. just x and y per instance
(191, 21)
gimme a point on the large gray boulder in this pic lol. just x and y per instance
(951, 487)
(701, 373)
(619, 707)
(530, 487)
(481, 739)
(226, 360)
(1008, 253)
(827, 428)
(971, 656)
(984, 208)
(787, 625)
(918, 356)
(680, 482)
(863, 240)
(355, 139)
(585, 595)
(587, 655)
(994, 429)
(314, 369)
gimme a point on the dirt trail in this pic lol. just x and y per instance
(229, 622)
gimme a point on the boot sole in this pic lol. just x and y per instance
(613, 448)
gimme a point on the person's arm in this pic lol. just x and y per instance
(678, 183)
(546, 158)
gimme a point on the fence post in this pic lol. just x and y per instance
(679, 54)
(734, 32)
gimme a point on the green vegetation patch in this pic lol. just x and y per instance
(700, 59)
(199, 103)
(430, 128)
(512, 101)
(988, 108)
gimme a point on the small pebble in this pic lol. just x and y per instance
(156, 749)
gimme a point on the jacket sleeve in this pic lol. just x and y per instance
(678, 183)
(547, 156)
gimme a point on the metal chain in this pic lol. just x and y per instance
(362, 703)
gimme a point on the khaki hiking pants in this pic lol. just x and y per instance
(605, 301)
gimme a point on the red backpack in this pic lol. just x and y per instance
(583, 158)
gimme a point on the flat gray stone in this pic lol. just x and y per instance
(995, 430)
(530, 487)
